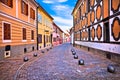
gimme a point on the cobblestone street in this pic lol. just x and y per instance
(59, 64)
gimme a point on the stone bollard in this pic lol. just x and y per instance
(111, 69)
(81, 62)
(73, 52)
(75, 56)
(25, 59)
(35, 54)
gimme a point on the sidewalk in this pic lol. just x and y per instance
(9, 66)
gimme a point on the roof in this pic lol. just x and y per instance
(57, 27)
(77, 3)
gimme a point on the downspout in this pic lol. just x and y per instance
(37, 26)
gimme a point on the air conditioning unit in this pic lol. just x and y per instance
(7, 54)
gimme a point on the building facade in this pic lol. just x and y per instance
(97, 27)
(72, 35)
(17, 27)
(57, 35)
(45, 29)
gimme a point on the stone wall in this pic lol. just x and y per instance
(17, 50)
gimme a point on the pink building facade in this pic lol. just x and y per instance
(57, 35)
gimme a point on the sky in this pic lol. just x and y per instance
(60, 10)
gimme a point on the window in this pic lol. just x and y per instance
(24, 33)
(39, 18)
(39, 38)
(7, 31)
(24, 8)
(32, 13)
(7, 2)
(32, 35)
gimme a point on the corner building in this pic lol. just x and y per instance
(17, 27)
(97, 27)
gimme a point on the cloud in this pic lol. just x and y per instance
(53, 1)
(63, 23)
(62, 10)
(62, 0)
(47, 1)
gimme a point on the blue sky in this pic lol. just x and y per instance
(60, 10)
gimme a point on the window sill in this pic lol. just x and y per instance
(32, 40)
(24, 40)
(5, 41)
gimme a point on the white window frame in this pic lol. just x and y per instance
(5, 41)
(22, 35)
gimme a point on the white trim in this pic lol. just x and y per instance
(5, 41)
(16, 19)
(24, 40)
(32, 40)
(114, 48)
(16, 8)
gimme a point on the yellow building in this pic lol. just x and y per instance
(45, 29)
(17, 27)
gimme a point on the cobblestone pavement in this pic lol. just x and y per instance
(59, 64)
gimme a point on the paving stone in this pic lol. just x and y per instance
(59, 64)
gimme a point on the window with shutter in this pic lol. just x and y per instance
(32, 13)
(24, 33)
(7, 2)
(24, 8)
(32, 35)
(7, 31)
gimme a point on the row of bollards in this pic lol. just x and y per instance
(110, 68)
(25, 59)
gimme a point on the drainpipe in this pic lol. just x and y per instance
(37, 26)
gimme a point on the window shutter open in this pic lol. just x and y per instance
(7, 32)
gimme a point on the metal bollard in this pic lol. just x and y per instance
(81, 62)
(35, 54)
(75, 56)
(25, 59)
(110, 69)
(47, 49)
(73, 52)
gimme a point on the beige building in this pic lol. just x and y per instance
(45, 29)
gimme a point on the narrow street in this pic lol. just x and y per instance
(59, 64)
